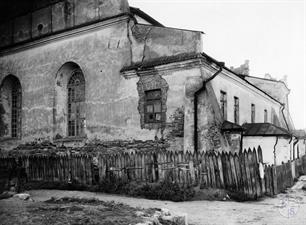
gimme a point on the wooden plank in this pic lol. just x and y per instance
(248, 173)
(252, 172)
(256, 173)
(212, 170)
(259, 153)
(229, 172)
(216, 169)
(143, 165)
(191, 169)
(233, 171)
(220, 169)
(267, 180)
(225, 173)
(244, 181)
(238, 172)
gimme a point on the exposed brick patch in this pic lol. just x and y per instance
(176, 126)
(151, 82)
(213, 136)
(234, 140)
(140, 32)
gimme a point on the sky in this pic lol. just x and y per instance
(269, 33)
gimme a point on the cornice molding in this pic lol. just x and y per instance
(162, 69)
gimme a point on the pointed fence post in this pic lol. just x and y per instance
(274, 180)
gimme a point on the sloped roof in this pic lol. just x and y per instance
(229, 126)
(145, 16)
(299, 133)
(264, 129)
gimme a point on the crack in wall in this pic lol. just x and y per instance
(130, 40)
(145, 46)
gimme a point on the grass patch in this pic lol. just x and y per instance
(165, 190)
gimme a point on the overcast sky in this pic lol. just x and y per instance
(271, 34)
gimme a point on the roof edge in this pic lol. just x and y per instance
(262, 78)
(145, 16)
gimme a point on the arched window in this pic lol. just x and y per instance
(76, 100)
(11, 96)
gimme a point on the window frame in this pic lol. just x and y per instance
(236, 110)
(253, 113)
(223, 104)
(153, 101)
(76, 104)
(16, 111)
(265, 116)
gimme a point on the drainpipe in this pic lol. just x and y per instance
(282, 110)
(196, 95)
(274, 151)
(290, 147)
(241, 140)
(294, 143)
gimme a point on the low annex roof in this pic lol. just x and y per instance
(299, 134)
(264, 129)
(229, 126)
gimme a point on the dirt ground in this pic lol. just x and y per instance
(14, 211)
(284, 209)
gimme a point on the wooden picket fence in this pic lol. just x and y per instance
(238, 172)
(58, 168)
(235, 172)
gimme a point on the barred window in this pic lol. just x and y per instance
(223, 104)
(16, 110)
(76, 101)
(236, 110)
(153, 106)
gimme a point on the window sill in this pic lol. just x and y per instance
(70, 139)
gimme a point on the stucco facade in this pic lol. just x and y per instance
(275, 150)
(122, 58)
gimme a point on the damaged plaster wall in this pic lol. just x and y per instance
(149, 42)
(57, 16)
(111, 100)
(101, 55)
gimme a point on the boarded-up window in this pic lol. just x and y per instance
(153, 106)
(236, 110)
(223, 104)
(76, 104)
(252, 113)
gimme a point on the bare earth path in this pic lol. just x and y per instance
(285, 209)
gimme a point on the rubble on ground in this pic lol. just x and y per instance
(93, 148)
